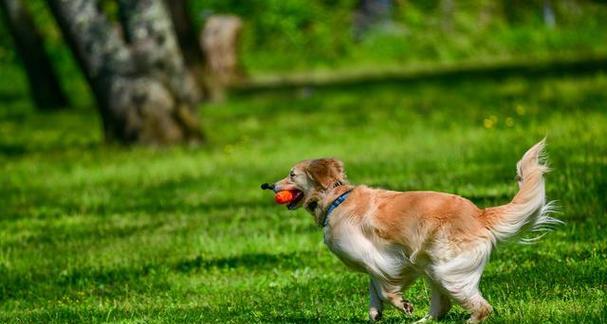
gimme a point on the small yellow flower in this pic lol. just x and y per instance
(509, 122)
(488, 123)
(520, 110)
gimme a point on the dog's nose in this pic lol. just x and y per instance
(267, 186)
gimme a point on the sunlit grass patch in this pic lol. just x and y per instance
(91, 233)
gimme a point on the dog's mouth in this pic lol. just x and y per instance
(298, 197)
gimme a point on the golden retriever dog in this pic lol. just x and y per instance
(397, 237)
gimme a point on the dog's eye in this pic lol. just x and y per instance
(292, 174)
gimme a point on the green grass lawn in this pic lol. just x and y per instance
(91, 233)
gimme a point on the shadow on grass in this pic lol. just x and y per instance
(259, 261)
(218, 313)
(151, 279)
(446, 75)
(12, 150)
(163, 198)
(167, 197)
(190, 314)
(117, 281)
(322, 319)
(394, 317)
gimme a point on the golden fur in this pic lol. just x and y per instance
(397, 237)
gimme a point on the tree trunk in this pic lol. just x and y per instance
(187, 40)
(42, 79)
(548, 13)
(142, 90)
(447, 8)
(219, 41)
(370, 13)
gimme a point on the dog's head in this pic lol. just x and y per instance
(311, 179)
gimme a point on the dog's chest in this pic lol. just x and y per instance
(348, 247)
(358, 252)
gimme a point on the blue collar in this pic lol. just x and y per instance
(334, 205)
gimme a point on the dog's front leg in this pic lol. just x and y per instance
(392, 293)
(376, 305)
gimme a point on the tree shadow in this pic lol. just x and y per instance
(320, 319)
(446, 76)
(253, 260)
(9, 97)
(12, 150)
(121, 280)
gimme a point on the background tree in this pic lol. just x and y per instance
(219, 41)
(369, 13)
(187, 39)
(143, 91)
(447, 8)
(548, 14)
(212, 59)
(42, 79)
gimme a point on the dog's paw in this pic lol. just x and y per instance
(374, 315)
(407, 307)
(404, 306)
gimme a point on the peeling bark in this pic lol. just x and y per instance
(142, 90)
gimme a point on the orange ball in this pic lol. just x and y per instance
(284, 197)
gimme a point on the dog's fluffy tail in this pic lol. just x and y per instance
(528, 209)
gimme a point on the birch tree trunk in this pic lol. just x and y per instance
(142, 89)
(42, 79)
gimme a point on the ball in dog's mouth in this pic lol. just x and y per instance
(298, 196)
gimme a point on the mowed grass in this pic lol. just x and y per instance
(95, 233)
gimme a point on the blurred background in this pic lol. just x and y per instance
(134, 135)
(270, 39)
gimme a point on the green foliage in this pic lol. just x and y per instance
(303, 35)
(317, 34)
(90, 233)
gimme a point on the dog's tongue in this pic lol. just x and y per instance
(296, 194)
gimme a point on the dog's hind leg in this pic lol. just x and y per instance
(467, 295)
(459, 277)
(474, 302)
(440, 302)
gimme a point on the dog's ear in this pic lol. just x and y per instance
(326, 172)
